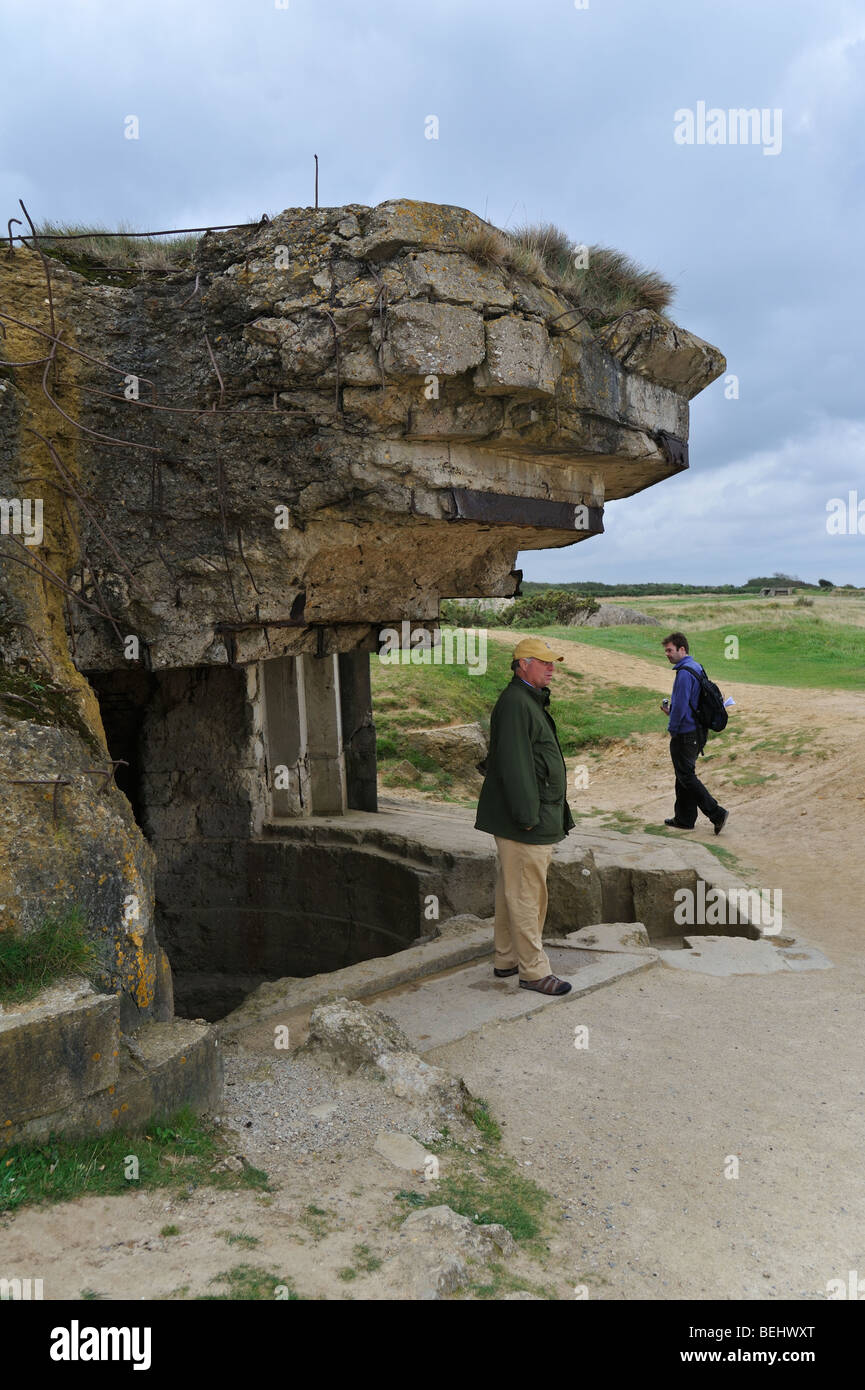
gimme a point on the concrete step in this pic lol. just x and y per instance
(56, 1049)
(442, 1008)
(162, 1067)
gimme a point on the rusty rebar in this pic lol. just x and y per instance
(220, 485)
(381, 301)
(169, 231)
(575, 309)
(218, 373)
(47, 575)
(332, 321)
(56, 782)
(155, 492)
(58, 464)
(8, 695)
(171, 409)
(111, 367)
(108, 438)
(85, 559)
(71, 627)
(53, 338)
(106, 611)
(194, 292)
(607, 327)
(243, 558)
(41, 255)
(106, 772)
(16, 622)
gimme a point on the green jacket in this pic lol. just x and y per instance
(526, 778)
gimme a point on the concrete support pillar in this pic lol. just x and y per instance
(358, 731)
(319, 677)
(285, 732)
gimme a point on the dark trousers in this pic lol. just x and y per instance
(691, 795)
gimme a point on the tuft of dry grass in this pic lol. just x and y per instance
(487, 245)
(604, 283)
(116, 252)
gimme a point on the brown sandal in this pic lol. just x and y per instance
(550, 984)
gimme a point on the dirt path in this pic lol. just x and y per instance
(684, 1072)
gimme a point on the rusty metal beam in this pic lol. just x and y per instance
(497, 509)
(675, 450)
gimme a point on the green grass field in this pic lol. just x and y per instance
(821, 646)
(806, 651)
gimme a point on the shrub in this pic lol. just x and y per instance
(551, 607)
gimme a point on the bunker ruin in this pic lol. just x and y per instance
(248, 469)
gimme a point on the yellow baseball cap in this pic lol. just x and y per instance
(536, 647)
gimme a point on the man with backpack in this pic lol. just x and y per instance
(696, 706)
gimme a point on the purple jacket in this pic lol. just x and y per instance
(686, 693)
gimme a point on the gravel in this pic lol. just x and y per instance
(280, 1104)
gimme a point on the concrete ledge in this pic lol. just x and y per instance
(620, 938)
(358, 981)
(55, 1049)
(173, 1064)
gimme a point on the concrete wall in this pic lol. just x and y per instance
(197, 783)
(203, 748)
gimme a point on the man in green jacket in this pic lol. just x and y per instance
(522, 803)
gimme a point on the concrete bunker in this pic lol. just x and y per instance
(316, 446)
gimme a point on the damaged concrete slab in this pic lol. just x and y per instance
(442, 1008)
(736, 955)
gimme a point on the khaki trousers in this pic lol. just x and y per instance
(521, 907)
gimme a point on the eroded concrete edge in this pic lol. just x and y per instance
(358, 981)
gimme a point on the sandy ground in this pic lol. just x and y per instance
(683, 1071)
(633, 1135)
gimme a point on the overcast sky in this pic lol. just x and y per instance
(547, 112)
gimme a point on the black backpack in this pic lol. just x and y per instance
(709, 712)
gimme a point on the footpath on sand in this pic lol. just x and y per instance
(684, 1073)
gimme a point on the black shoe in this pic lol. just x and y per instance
(719, 824)
(678, 825)
(550, 984)
(500, 974)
